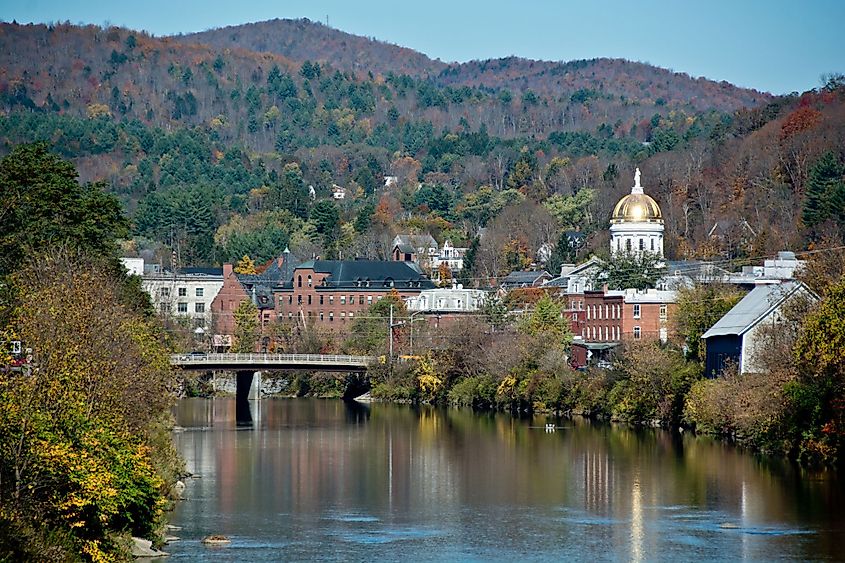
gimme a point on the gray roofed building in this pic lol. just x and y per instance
(525, 279)
(364, 274)
(737, 336)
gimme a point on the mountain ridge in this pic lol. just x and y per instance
(293, 38)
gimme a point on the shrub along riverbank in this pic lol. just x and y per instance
(794, 408)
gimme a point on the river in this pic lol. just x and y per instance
(321, 479)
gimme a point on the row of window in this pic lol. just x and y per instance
(322, 315)
(331, 299)
(615, 311)
(608, 312)
(606, 333)
(628, 246)
(389, 282)
(182, 307)
(181, 292)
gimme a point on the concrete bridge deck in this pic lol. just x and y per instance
(242, 362)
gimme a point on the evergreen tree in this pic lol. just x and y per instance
(43, 205)
(290, 193)
(825, 191)
(326, 219)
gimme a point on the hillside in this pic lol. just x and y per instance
(212, 148)
(306, 40)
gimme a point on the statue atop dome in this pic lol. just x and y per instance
(637, 189)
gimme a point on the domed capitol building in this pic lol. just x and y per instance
(637, 223)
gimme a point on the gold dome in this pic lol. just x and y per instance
(636, 208)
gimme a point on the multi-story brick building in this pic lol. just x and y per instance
(611, 317)
(331, 293)
(256, 287)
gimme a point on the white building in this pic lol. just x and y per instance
(187, 294)
(447, 300)
(338, 192)
(135, 266)
(450, 255)
(637, 223)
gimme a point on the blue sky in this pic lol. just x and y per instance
(776, 46)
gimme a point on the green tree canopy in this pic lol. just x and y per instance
(699, 307)
(42, 205)
(630, 270)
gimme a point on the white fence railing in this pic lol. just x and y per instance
(271, 359)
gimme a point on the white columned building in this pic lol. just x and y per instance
(637, 224)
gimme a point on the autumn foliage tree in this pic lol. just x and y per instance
(84, 457)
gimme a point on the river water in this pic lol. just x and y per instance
(318, 479)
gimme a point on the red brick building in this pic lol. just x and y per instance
(256, 287)
(331, 293)
(611, 317)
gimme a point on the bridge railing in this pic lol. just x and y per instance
(269, 359)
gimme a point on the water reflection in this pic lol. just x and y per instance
(328, 479)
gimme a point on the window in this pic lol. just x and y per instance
(663, 312)
(182, 307)
(199, 307)
(628, 245)
(321, 299)
(361, 300)
(290, 299)
(321, 315)
(343, 300)
(299, 300)
(290, 315)
(309, 281)
(369, 300)
(636, 333)
(299, 281)
(351, 314)
(342, 316)
(331, 299)
(351, 299)
(588, 312)
(331, 316)
(164, 292)
(183, 292)
(642, 244)
(652, 245)
(309, 299)
(636, 310)
(199, 292)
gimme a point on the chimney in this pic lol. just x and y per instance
(227, 270)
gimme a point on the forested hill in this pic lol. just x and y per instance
(306, 40)
(212, 149)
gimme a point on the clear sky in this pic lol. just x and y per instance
(775, 45)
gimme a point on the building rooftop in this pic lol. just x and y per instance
(753, 307)
(365, 274)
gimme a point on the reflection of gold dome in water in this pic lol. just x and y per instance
(636, 208)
